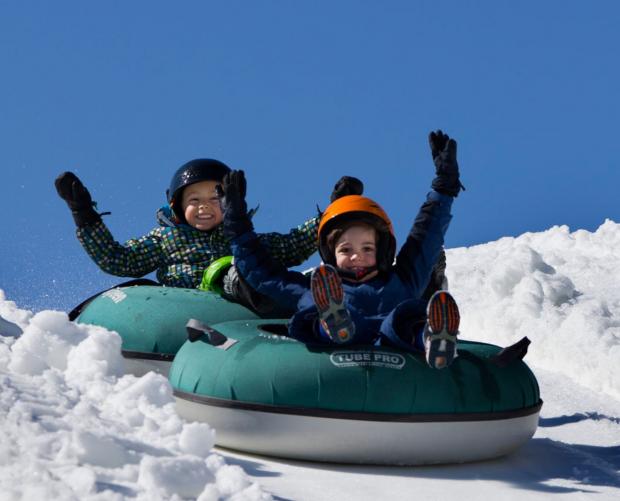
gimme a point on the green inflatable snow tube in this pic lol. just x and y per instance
(268, 370)
(268, 394)
(151, 320)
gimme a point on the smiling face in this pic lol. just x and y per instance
(356, 249)
(201, 205)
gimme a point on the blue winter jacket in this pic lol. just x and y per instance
(373, 305)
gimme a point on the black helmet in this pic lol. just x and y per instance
(194, 171)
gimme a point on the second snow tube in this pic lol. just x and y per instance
(151, 320)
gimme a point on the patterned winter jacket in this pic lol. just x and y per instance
(180, 253)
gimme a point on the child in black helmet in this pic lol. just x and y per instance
(189, 236)
(364, 293)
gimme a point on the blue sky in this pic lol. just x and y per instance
(298, 94)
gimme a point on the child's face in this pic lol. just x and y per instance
(356, 249)
(201, 205)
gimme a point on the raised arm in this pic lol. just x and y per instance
(135, 258)
(420, 252)
(255, 264)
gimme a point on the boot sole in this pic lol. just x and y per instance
(329, 299)
(443, 314)
(443, 319)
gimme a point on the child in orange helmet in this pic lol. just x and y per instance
(364, 292)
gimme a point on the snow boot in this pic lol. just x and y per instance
(442, 327)
(329, 300)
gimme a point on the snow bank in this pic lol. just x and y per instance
(74, 428)
(556, 287)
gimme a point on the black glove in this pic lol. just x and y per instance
(72, 191)
(443, 150)
(347, 185)
(232, 197)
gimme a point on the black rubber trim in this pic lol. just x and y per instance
(159, 357)
(360, 416)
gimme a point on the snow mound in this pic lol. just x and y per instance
(558, 288)
(75, 428)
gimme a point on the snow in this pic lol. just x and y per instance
(558, 288)
(74, 427)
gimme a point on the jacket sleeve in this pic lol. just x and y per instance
(416, 258)
(265, 274)
(135, 258)
(296, 246)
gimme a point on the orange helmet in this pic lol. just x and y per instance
(353, 209)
